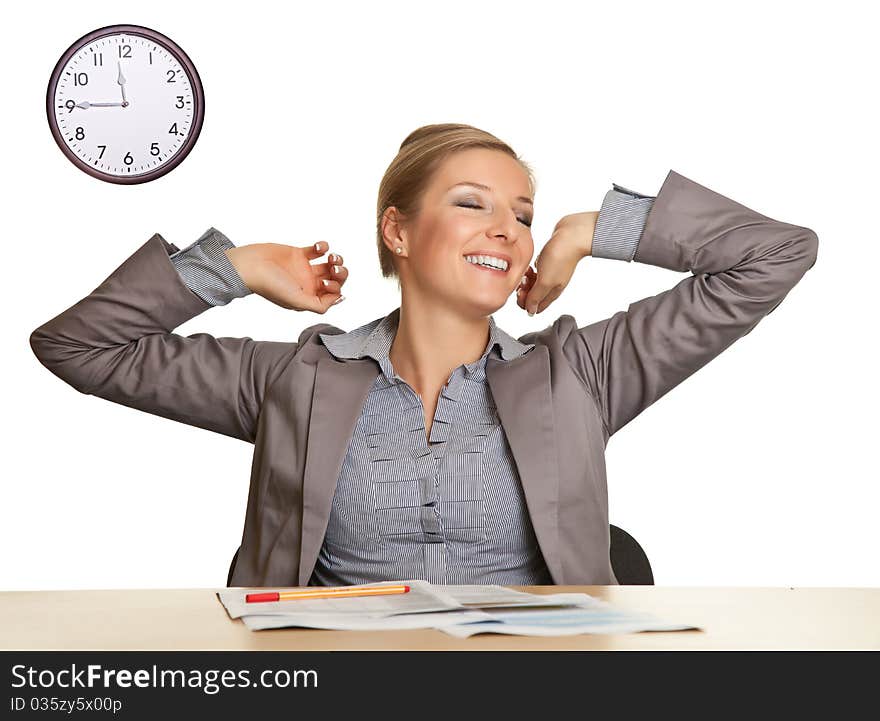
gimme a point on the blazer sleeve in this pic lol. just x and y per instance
(743, 264)
(117, 343)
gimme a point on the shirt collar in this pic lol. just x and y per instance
(374, 340)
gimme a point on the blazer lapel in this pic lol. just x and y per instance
(521, 390)
(340, 391)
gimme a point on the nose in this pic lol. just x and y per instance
(504, 225)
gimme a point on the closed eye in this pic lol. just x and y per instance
(525, 221)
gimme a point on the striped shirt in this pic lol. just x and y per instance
(449, 509)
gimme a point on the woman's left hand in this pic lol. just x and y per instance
(572, 240)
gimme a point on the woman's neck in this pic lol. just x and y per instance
(431, 343)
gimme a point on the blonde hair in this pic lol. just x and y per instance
(409, 174)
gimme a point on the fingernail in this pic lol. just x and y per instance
(335, 268)
(531, 313)
(318, 246)
(332, 257)
(339, 300)
(325, 282)
(524, 280)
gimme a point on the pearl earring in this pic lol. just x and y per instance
(398, 250)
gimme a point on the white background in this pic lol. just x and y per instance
(760, 469)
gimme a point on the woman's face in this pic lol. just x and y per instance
(478, 203)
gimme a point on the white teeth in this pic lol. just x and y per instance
(487, 260)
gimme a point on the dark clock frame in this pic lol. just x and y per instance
(194, 81)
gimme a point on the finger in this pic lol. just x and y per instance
(330, 286)
(327, 299)
(317, 250)
(525, 285)
(538, 299)
(521, 293)
(339, 273)
(334, 271)
(327, 267)
(531, 303)
(539, 291)
(551, 296)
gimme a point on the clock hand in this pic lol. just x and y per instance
(121, 80)
(85, 105)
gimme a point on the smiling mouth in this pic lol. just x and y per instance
(486, 267)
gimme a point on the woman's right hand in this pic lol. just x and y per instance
(283, 274)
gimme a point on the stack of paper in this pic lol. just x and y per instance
(458, 610)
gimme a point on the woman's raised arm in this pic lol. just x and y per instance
(117, 343)
(742, 266)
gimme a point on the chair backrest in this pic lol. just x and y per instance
(231, 567)
(628, 560)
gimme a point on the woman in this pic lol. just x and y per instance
(429, 443)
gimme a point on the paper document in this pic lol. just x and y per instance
(459, 610)
(423, 597)
(600, 618)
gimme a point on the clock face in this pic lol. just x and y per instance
(125, 104)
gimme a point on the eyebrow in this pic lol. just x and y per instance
(486, 187)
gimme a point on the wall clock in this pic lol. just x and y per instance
(125, 104)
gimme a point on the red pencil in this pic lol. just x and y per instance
(341, 592)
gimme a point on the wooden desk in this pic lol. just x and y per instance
(194, 619)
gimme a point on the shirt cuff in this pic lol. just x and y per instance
(620, 223)
(205, 269)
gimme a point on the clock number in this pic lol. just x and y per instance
(103, 148)
(80, 133)
(127, 53)
(128, 160)
(173, 130)
(70, 105)
(80, 79)
(98, 58)
(179, 102)
(154, 149)
(171, 74)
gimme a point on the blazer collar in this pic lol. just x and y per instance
(374, 340)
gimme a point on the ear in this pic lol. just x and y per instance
(392, 228)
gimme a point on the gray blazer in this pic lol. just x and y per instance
(558, 404)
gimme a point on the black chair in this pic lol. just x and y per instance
(629, 561)
(231, 567)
